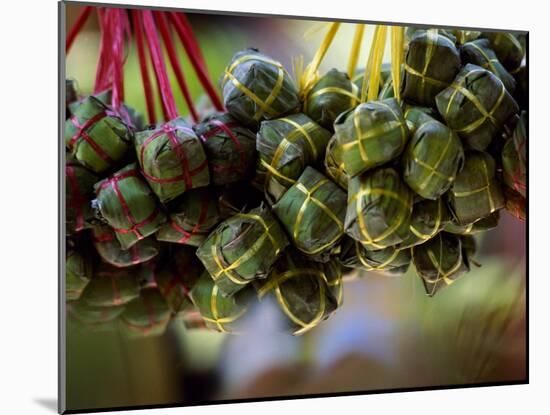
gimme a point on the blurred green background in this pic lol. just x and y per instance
(388, 334)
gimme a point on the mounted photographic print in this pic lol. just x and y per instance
(258, 207)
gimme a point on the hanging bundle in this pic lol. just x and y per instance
(78, 271)
(110, 287)
(79, 190)
(334, 163)
(390, 260)
(146, 315)
(514, 158)
(508, 49)
(428, 218)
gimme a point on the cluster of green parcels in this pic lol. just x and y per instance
(284, 194)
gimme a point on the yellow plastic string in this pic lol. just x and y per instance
(379, 46)
(355, 49)
(397, 50)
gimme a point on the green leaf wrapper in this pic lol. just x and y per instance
(507, 47)
(177, 277)
(255, 88)
(236, 198)
(307, 292)
(78, 271)
(410, 32)
(172, 159)
(313, 211)
(94, 318)
(219, 312)
(146, 315)
(370, 135)
(475, 193)
(481, 225)
(192, 217)
(515, 203)
(109, 249)
(286, 146)
(428, 218)
(432, 159)
(440, 261)
(389, 260)
(476, 106)
(242, 248)
(379, 209)
(432, 63)
(71, 95)
(230, 148)
(514, 158)
(127, 204)
(79, 191)
(331, 95)
(96, 136)
(110, 287)
(334, 163)
(478, 52)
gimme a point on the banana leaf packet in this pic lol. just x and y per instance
(475, 193)
(433, 157)
(145, 316)
(79, 191)
(242, 248)
(440, 261)
(96, 136)
(410, 32)
(429, 217)
(230, 148)
(312, 212)
(516, 204)
(126, 203)
(219, 312)
(481, 225)
(331, 95)
(379, 209)
(476, 106)
(307, 292)
(109, 249)
(78, 272)
(334, 164)
(192, 216)
(177, 277)
(388, 260)
(479, 52)
(172, 159)
(514, 158)
(286, 146)
(256, 87)
(508, 49)
(371, 135)
(431, 64)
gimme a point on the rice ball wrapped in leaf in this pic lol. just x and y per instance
(177, 277)
(312, 212)
(387, 260)
(111, 286)
(172, 159)
(286, 146)
(475, 192)
(371, 135)
(78, 272)
(410, 32)
(482, 225)
(476, 106)
(242, 248)
(416, 116)
(331, 95)
(94, 318)
(306, 291)
(507, 47)
(96, 136)
(127, 204)
(431, 64)
(440, 261)
(220, 312)
(428, 218)
(516, 204)
(256, 87)
(465, 36)
(514, 158)
(146, 315)
(230, 148)
(432, 159)
(109, 249)
(334, 163)
(192, 216)
(478, 52)
(79, 191)
(379, 209)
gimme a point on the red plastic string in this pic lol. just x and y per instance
(194, 43)
(172, 56)
(188, 40)
(165, 90)
(104, 59)
(77, 27)
(118, 26)
(146, 80)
